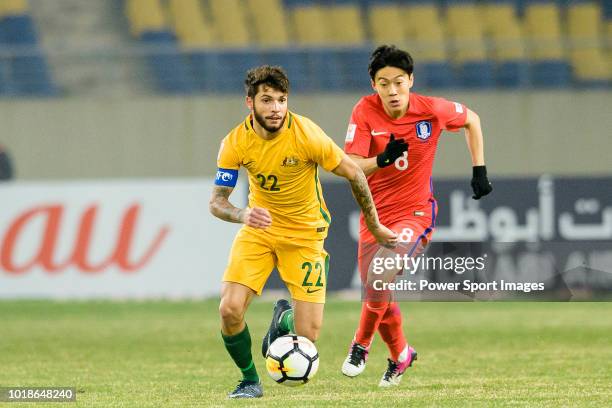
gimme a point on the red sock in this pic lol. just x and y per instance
(390, 329)
(371, 315)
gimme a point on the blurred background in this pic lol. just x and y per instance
(112, 112)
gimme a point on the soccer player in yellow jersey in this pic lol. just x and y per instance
(286, 220)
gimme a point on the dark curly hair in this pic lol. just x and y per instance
(273, 76)
(390, 56)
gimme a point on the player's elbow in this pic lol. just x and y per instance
(353, 172)
(347, 169)
(360, 174)
(472, 119)
(213, 206)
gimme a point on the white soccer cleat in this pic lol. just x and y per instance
(355, 362)
(395, 370)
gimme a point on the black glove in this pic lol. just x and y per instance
(393, 150)
(480, 183)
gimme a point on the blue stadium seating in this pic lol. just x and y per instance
(18, 30)
(551, 74)
(434, 75)
(479, 74)
(31, 76)
(167, 64)
(341, 2)
(325, 69)
(6, 87)
(332, 68)
(512, 74)
(308, 69)
(294, 3)
(607, 9)
(354, 64)
(26, 73)
(294, 62)
(222, 71)
(455, 2)
(376, 2)
(24, 69)
(232, 68)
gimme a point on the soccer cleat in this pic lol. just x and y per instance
(355, 362)
(275, 331)
(395, 370)
(247, 389)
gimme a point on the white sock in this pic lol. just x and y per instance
(403, 355)
(368, 346)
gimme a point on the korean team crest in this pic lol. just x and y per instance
(423, 129)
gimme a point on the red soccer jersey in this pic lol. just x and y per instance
(404, 188)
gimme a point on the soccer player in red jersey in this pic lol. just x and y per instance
(392, 136)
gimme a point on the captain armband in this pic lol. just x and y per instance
(226, 177)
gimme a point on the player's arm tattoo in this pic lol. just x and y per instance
(220, 206)
(363, 196)
(359, 185)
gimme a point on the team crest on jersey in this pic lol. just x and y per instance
(290, 161)
(350, 133)
(423, 129)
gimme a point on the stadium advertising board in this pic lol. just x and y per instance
(146, 239)
(111, 239)
(554, 234)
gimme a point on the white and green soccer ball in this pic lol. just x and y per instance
(292, 360)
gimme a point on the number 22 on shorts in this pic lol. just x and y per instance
(308, 268)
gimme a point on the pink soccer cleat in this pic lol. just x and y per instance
(395, 370)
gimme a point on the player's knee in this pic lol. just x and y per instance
(312, 331)
(231, 312)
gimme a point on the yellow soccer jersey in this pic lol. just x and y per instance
(283, 174)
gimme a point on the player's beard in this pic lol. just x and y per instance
(262, 122)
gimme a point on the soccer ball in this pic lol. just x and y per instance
(292, 360)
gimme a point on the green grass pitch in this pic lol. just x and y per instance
(169, 354)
